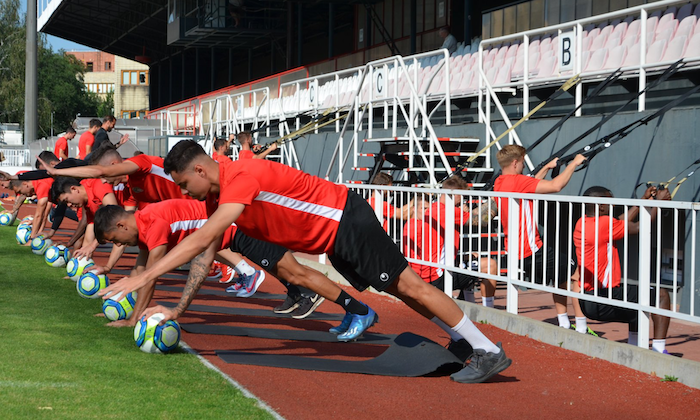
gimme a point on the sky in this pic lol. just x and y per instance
(55, 42)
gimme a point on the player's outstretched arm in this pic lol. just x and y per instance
(199, 268)
(557, 184)
(184, 252)
(94, 171)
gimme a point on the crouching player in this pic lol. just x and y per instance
(282, 205)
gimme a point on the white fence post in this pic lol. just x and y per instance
(449, 241)
(644, 274)
(512, 258)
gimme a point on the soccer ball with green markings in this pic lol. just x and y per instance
(76, 266)
(154, 338)
(24, 233)
(40, 245)
(6, 219)
(118, 308)
(57, 256)
(90, 283)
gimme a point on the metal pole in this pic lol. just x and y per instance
(30, 79)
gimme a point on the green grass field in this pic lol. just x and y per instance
(57, 360)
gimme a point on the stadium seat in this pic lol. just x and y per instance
(606, 30)
(596, 60)
(613, 41)
(652, 22)
(598, 42)
(696, 12)
(620, 30)
(519, 66)
(513, 50)
(547, 67)
(656, 51)
(633, 29)
(675, 49)
(693, 49)
(545, 44)
(632, 58)
(504, 73)
(666, 25)
(616, 58)
(685, 11)
(686, 27)
(591, 33)
(666, 35)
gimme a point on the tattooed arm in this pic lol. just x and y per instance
(199, 268)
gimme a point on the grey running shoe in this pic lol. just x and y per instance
(461, 349)
(482, 366)
(306, 306)
(289, 304)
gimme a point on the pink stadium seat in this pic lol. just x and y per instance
(491, 74)
(588, 28)
(632, 58)
(629, 41)
(554, 45)
(503, 76)
(606, 29)
(501, 55)
(613, 41)
(616, 57)
(667, 25)
(686, 27)
(693, 49)
(656, 51)
(652, 22)
(633, 29)
(586, 43)
(546, 68)
(437, 87)
(685, 11)
(675, 49)
(534, 46)
(651, 37)
(666, 35)
(513, 50)
(620, 30)
(585, 56)
(596, 60)
(545, 44)
(533, 61)
(598, 42)
(455, 81)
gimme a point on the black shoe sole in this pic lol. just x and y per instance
(311, 309)
(285, 310)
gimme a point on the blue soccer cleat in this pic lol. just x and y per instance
(343, 325)
(358, 325)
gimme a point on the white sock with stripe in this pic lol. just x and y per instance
(244, 269)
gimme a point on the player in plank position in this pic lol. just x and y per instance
(280, 204)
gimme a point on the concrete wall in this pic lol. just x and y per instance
(130, 97)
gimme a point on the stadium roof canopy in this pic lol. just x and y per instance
(152, 30)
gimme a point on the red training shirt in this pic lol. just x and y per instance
(150, 184)
(86, 139)
(123, 195)
(608, 270)
(96, 191)
(217, 157)
(284, 206)
(246, 154)
(42, 187)
(520, 184)
(61, 145)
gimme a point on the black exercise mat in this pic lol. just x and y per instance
(408, 355)
(257, 295)
(267, 313)
(274, 334)
(164, 276)
(108, 248)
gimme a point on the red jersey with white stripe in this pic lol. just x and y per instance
(246, 154)
(284, 206)
(150, 184)
(586, 238)
(168, 223)
(123, 195)
(528, 227)
(96, 191)
(217, 157)
(42, 187)
(425, 239)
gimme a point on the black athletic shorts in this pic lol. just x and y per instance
(538, 277)
(459, 280)
(609, 313)
(363, 253)
(262, 253)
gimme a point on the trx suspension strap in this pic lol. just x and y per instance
(601, 144)
(688, 171)
(612, 78)
(672, 69)
(563, 88)
(313, 125)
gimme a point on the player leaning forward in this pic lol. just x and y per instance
(279, 204)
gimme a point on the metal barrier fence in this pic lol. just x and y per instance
(656, 241)
(15, 157)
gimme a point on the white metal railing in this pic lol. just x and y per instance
(662, 255)
(15, 157)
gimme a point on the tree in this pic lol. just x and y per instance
(61, 89)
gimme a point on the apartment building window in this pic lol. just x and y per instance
(99, 87)
(89, 66)
(134, 77)
(108, 65)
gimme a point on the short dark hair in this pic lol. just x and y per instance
(95, 123)
(14, 183)
(382, 178)
(108, 118)
(455, 182)
(70, 130)
(105, 149)
(445, 28)
(138, 152)
(181, 156)
(220, 141)
(60, 186)
(106, 218)
(47, 157)
(595, 191)
(245, 137)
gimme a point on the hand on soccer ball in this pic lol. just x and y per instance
(168, 313)
(100, 269)
(83, 253)
(123, 287)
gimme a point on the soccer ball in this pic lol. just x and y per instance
(57, 255)
(28, 219)
(24, 233)
(154, 338)
(40, 244)
(90, 283)
(118, 308)
(6, 219)
(76, 266)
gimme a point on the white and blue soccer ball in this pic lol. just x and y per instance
(6, 219)
(28, 219)
(76, 266)
(24, 234)
(40, 245)
(57, 255)
(117, 308)
(90, 283)
(153, 338)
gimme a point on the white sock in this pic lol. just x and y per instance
(469, 296)
(633, 338)
(658, 345)
(487, 301)
(564, 320)
(476, 338)
(581, 324)
(244, 269)
(453, 335)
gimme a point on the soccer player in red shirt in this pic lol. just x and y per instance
(87, 139)
(424, 239)
(280, 204)
(389, 211)
(512, 161)
(245, 138)
(61, 148)
(221, 147)
(607, 275)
